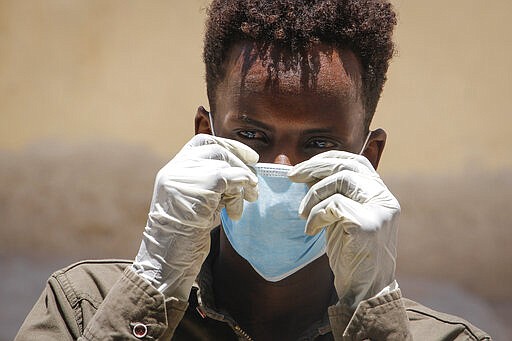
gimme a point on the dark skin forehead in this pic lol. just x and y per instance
(293, 94)
(292, 73)
(323, 71)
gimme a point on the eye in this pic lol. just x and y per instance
(251, 135)
(321, 143)
(247, 134)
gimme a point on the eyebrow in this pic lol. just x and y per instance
(244, 118)
(317, 131)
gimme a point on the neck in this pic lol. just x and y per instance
(271, 310)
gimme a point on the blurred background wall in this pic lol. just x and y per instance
(96, 95)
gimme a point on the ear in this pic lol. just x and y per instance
(375, 146)
(202, 122)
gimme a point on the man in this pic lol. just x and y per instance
(292, 88)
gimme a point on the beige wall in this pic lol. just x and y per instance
(446, 105)
(127, 75)
(132, 71)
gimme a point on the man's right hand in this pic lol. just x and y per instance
(209, 173)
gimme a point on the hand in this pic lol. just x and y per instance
(360, 215)
(209, 173)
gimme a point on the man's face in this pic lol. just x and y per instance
(285, 114)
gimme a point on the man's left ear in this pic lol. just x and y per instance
(375, 146)
(202, 121)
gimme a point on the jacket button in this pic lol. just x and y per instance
(140, 330)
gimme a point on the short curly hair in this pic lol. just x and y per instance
(363, 26)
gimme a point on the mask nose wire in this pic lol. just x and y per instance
(365, 142)
(211, 123)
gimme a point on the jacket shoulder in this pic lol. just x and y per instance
(425, 321)
(89, 280)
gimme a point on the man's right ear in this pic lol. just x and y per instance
(202, 122)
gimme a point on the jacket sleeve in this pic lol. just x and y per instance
(379, 318)
(391, 317)
(131, 310)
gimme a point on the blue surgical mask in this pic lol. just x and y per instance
(270, 234)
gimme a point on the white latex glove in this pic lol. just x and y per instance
(209, 173)
(360, 214)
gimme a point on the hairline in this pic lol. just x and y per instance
(340, 48)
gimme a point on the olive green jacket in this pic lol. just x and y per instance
(106, 300)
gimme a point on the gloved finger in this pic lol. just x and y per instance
(215, 152)
(355, 186)
(327, 163)
(213, 175)
(245, 153)
(234, 206)
(237, 190)
(336, 209)
(239, 182)
(197, 196)
(340, 154)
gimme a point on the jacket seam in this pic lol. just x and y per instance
(63, 283)
(75, 297)
(470, 335)
(467, 329)
(72, 298)
(94, 261)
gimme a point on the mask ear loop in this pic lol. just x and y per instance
(365, 142)
(211, 123)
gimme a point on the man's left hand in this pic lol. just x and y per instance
(349, 199)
